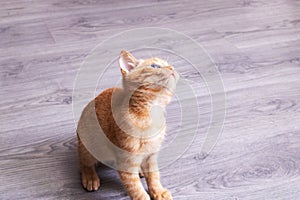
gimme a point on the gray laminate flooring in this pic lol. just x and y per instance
(255, 45)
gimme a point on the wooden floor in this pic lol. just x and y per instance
(255, 45)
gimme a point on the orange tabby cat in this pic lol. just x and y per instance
(131, 120)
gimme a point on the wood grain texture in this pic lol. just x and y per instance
(255, 45)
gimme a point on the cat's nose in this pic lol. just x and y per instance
(170, 67)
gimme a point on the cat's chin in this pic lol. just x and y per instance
(174, 75)
(172, 82)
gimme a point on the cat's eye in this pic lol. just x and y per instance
(155, 66)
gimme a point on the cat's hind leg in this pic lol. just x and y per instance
(89, 178)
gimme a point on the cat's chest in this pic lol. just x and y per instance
(155, 125)
(140, 134)
(149, 140)
(149, 145)
(152, 144)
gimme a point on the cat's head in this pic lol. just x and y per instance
(153, 74)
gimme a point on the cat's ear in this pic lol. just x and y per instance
(127, 62)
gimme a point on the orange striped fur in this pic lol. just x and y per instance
(144, 86)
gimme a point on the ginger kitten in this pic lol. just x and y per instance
(132, 118)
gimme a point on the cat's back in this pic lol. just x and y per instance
(103, 107)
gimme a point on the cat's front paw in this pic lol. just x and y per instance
(90, 180)
(143, 196)
(162, 195)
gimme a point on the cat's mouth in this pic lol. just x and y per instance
(172, 74)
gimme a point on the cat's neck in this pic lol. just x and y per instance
(139, 107)
(140, 103)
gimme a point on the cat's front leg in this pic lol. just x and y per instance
(151, 173)
(134, 186)
(87, 162)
